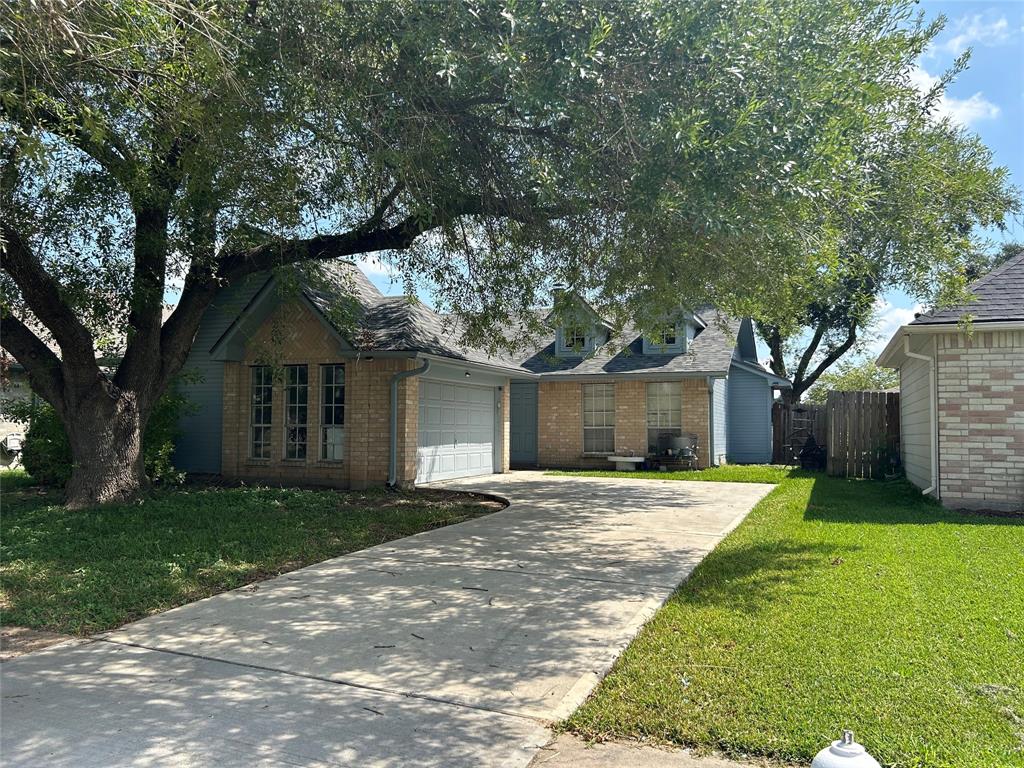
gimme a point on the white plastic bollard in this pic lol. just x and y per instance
(845, 753)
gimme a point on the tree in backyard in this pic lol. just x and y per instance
(647, 154)
(932, 186)
(853, 376)
(986, 262)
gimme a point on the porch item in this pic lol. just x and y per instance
(627, 463)
(683, 453)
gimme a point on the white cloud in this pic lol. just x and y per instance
(976, 29)
(964, 112)
(373, 266)
(888, 319)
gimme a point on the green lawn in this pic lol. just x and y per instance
(836, 604)
(86, 571)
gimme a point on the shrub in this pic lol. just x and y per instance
(46, 453)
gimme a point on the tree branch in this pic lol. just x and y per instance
(178, 333)
(43, 366)
(812, 347)
(394, 238)
(43, 297)
(200, 287)
(833, 355)
(111, 153)
(381, 210)
(151, 211)
(773, 338)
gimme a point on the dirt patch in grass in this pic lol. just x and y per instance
(17, 641)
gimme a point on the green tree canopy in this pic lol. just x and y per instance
(647, 154)
(853, 376)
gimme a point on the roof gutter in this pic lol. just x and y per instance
(758, 370)
(644, 375)
(933, 430)
(885, 358)
(393, 453)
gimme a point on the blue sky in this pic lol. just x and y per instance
(988, 98)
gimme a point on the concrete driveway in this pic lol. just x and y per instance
(454, 647)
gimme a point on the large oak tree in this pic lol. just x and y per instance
(646, 153)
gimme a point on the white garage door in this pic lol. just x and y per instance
(456, 431)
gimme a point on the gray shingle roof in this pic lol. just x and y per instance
(401, 324)
(1000, 297)
(709, 352)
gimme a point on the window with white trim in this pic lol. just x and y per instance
(664, 412)
(575, 338)
(332, 412)
(598, 418)
(261, 387)
(671, 340)
(296, 411)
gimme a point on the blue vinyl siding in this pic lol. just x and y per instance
(719, 410)
(198, 447)
(749, 418)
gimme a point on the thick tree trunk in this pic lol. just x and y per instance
(105, 432)
(790, 396)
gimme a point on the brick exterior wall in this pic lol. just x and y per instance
(981, 419)
(560, 421)
(294, 335)
(506, 432)
(696, 403)
(560, 425)
(630, 417)
(368, 422)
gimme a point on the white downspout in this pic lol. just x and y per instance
(932, 411)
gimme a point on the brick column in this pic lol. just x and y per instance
(559, 424)
(505, 436)
(695, 416)
(235, 425)
(368, 420)
(408, 429)
(631, 417)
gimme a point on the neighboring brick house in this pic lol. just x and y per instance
(297, 384)
(962, 396)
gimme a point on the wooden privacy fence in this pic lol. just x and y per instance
(863, 433)
(859, 432)
(793, 426)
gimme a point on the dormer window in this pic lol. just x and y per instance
(671, 340)
(580, 331)
(575, 341)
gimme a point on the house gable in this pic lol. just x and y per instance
(254, 321)
(292, 331)
(579, 330)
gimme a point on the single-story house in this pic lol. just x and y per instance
(339, 385)
(962, 396)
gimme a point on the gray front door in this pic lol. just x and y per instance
(523, 423)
